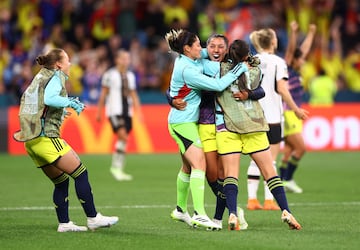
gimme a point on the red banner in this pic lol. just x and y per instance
(328, 128)
(333, 128)
(86, 135)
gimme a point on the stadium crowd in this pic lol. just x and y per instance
(92, 30)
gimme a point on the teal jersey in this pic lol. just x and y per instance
(189, 77)
(52, 95)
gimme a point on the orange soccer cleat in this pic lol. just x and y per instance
(254, 204)
(270, 205)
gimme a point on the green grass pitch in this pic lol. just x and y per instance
(329, 208)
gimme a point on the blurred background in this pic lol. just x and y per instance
(91, 30)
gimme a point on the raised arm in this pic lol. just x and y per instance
(290, 49)
(336, 36)
(307, 43)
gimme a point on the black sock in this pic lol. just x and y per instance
(83, 190)
(291, 168)
(283, 169)
(60, 197)
(231, 193)
(277, 189)
(220, 200)
(214, 187)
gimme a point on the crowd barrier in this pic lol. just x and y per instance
(335, 128)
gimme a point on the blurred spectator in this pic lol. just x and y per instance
(50, 12)
(102, 23)
(352, 69)
(154, 25)
(113, 45)
(210, 22)
(91, 27)
(126, 24)
(91, 81)
(164, 63)
(175, 16)
(349, 11)
(73, 84)
(6, 100)
(56, 38)
(12, 72)
(331, 52)
(322, 90)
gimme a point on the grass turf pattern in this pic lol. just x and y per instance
(328, 209)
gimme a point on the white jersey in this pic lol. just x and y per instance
(274, 69)
(112, 80)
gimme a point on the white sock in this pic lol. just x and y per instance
(118, 159)
(253, 184)
(267, 193)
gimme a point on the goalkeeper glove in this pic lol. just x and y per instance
(76, 105)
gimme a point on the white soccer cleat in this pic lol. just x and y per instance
(233, 223)
(219, 223)
(101, 221)
(179, 215)
(70, 227)
(120, 175)
(241, 217)
(204, 221)
(291, 186)
(290, 220)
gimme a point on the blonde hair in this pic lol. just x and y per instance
(262, 39)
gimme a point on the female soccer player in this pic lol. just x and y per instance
(186, 82)
(294, 147)
(241, 129)
(42, 110)
(275, 84)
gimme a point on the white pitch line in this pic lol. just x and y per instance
(304, 204)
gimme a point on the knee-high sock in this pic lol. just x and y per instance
(214, 186)
(197, 186)
(291, 168)
(231, 192)
(277, 189)
(253, 179)
(60, 197)
(220, 201)
(118, 158)
(83, 190)
(283, 169)
(182, 190)
(267, 194)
